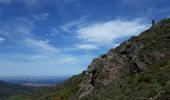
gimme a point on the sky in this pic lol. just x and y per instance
(61, 37)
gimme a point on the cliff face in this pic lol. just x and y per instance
(133, 55)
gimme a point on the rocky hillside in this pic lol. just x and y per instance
(138, 69)
(134, 56)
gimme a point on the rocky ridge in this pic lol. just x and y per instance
(134, 54)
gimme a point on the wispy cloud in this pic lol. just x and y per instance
(56, 65)
(20, 32)
(105, 33)
(86, 46)
(53, 32)
(74, 24)
(98, 34)
(67, 60)
(40, 16)
(40, 46)
(1, 39)
(17, 28)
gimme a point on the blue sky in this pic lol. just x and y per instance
(61, 37)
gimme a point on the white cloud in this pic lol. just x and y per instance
(67, 60)
(41, 16)
(1, 39)
(115, 45)
(76, 23)
(17, 29)
(106, 32)
(103, 34)
(40, 46)
(86, 46)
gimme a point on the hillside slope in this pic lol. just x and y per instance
(138, 69)
(8, 89)
(132, 70)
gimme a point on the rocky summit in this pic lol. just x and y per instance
(138, 69)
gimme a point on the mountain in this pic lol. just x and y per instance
(8, 89)
(138, 69)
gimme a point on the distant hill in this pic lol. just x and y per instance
(8, 89)
(39, 80)
(138, 69)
